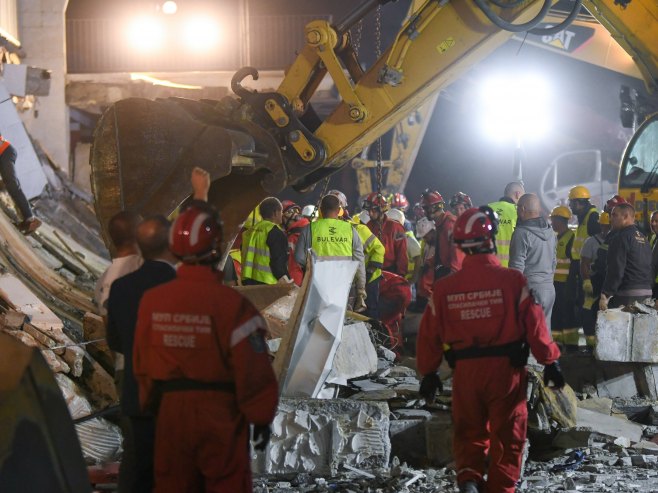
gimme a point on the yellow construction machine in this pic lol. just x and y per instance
(259, 143)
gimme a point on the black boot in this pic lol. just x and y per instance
(468, 487)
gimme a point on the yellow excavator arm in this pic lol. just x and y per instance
(262, 142)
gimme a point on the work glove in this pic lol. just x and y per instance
(588, 291)
(428, 387)
(360, 302)
(261, 436)
(603, 302)
(553, 373)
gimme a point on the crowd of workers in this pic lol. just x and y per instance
(490, 281)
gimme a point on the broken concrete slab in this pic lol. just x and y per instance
(647, 378)
(601, 405)
(645, 338)
(318, 436)
(356, 355)
(614, 334)
(619, 386)
(609, 425)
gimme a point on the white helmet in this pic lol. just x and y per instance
(424, 226)
(364, 217)
(342, 199)
(396, 215)
(309, 210)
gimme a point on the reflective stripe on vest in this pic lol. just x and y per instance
(3, 146)
(563, 261)
(331, 239)
(581, 235)
(256, 255)
(506, 224)
(369, 241)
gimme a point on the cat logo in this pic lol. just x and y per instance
(568, 40)
(332, 230)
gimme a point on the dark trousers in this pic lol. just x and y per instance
(372, 298)
(618, 301)
(13, 186)
(136, 470)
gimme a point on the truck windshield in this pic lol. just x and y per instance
(640, 163)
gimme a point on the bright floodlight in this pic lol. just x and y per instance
(146, 34)
(515, 107)
(201, 34)
(169, 7)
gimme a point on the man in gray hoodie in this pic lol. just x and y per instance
(532, 251)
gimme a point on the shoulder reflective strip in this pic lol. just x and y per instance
(562, 271)
(369, 241)
(335, 257)
(246, 329)
(502, 242)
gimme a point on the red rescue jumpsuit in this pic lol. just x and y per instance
(293, 231)
(394, 297)
(450, 255)
(392, 235)
(485, 304)
(194, 329)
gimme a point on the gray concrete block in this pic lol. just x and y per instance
(618, 386)
(647, 378)
(438, 436)
(408, 442)
(318, 436)
(356, 355)
(614, 333)
(645, 338)
(609, 425)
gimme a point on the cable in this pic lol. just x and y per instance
(543, 31)
(508, 26)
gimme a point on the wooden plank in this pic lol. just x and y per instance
(283, 355)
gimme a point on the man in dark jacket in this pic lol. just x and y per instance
(136, 472)
(628, 277)
(532, 251)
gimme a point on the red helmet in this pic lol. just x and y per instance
(613, 202)
(430, 198)
(473, 229)
(375, 200)
(399, 201)
(196, 235)
(461, 198)
(288, 205)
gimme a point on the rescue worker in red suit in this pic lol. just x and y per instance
(484, 321)
(448, 258)
(293, 223)
(200, 352)
(394, 297)
(390, 233)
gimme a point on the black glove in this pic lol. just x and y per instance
(553, 373)
(261, 436)
(429, 385)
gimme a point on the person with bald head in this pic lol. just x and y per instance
(152, 236)
(628, 275)
(505, 208)
(532, 251)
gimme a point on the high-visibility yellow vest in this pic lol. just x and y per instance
(373, 249)
(411, 261)
(331, 239)
(563, 260)
(581, 235)
(256, 253)
(506, 223)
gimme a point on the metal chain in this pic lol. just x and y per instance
(356, 42)
(378, 53)
(324, 192)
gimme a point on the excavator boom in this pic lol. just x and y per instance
(263, 142)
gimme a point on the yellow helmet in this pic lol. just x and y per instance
(579, 192)
(561, 211)
(604, 218)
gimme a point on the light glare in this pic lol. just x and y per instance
(515, 107)
(201, 34)
(169, 7)
(146, 34)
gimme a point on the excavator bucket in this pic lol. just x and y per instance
(144, 152)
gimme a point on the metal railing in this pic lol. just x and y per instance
(99, 46)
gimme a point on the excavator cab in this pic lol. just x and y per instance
(638, 175)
